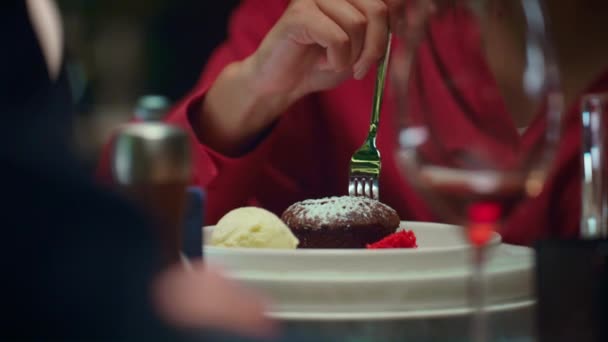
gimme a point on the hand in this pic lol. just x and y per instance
(200, 297)
(317, 44)
(314, 46)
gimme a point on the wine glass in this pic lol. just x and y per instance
(479, 114)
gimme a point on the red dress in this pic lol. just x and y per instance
(307, 153)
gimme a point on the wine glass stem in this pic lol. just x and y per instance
(479, 327)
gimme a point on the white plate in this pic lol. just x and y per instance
(335, 284)
(440, 247)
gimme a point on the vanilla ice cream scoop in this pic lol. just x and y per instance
(252, 227)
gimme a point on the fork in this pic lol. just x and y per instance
(365, 163)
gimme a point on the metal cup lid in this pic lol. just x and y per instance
(152, 108)
(151, 153)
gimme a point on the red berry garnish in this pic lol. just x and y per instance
(400, 239)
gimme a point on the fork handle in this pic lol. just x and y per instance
(379, 89)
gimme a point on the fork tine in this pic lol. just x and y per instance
(375, 190)
(363, 186)
(360, 188)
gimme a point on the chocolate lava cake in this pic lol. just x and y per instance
(340, 222)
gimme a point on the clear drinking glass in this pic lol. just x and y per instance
(593, 196)
(480, 110)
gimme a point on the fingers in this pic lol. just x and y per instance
(351, 20)
(376, 35)
(353, 32)
(315, 27)
(203, 298)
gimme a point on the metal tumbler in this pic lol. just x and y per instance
(152, 163)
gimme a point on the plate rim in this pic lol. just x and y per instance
(397, 315)
(497, 240)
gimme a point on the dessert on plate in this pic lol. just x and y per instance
(340, 222)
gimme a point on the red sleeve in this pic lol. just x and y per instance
(230, 182)
(249, 24)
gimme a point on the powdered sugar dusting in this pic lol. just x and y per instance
(333, 210)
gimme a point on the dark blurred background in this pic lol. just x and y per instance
(121, 50)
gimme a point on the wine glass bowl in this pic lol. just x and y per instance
(479, 113)
(471, 65)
